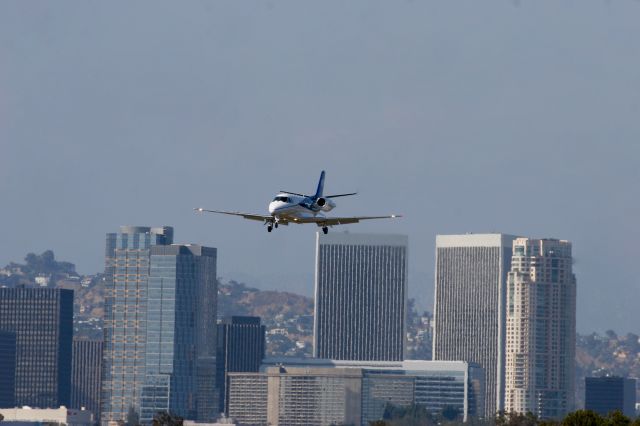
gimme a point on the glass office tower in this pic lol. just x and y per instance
(241, 345)
(126, 275)
(180, 333)
(7, 369)
(42, 320)
(360, 296)
(85, 375)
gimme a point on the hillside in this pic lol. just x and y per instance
(288, 318)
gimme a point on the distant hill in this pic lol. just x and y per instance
(288, 318)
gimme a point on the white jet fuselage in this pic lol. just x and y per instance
(292, 207)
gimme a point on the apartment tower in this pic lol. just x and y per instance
(470, 295)
(541, 328)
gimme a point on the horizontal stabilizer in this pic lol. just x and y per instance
(340, 195)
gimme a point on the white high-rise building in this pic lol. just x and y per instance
(541, 328)
(470, 300)
(360, 296)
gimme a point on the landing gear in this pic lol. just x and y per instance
(269, 228)
(276, 225)
(325, 230)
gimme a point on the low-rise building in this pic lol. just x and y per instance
(295, 391)
(27, 416)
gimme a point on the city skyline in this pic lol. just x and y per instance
(447, 111)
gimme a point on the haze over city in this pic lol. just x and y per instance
(517, 117)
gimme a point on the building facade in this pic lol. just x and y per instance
(241, 346)
(470, 300)
(85, 375)
(292, 391)
(42, 320)
(7, 369)
(127, 263)
(360, 296)
(606, 394)
(541, 328)
(180, 333)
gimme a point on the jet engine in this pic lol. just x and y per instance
(325, 204)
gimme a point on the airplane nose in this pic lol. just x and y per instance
(271, 208)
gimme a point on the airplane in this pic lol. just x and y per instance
(291, 207)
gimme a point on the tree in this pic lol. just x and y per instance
(163, 418)
(1, 417)
(616, 418)
(583, 418)
(516, 419)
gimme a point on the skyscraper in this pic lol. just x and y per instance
(7, 369)
(470, 296)
(127, 259)
(606, 394)
(541, 328)
(42, 320)
(241, 345)
(181, 327)
(85, 375)
(360, 296)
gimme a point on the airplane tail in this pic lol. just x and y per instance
(320, 186)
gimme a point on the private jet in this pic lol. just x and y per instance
(291, 207)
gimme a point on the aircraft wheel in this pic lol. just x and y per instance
(325, 230)
(269, 228)
(276, 225)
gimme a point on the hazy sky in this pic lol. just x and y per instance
(466, 116)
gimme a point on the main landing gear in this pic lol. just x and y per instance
(271, 225)
(269, 228)
(325, 230)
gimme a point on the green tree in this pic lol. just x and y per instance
(516, 419)
(162, 418)
(616, 418)
(583, 418)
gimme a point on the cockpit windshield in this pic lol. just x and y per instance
(280, 198)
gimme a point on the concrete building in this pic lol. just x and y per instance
(360, 296)
(27, 416)
(541, 329)
(241, 346)
(470, 297)
(181, 333)
(291, 391)
(606, 394)
(86, 368)
(7, 369)
(127, 259)
(42, 320)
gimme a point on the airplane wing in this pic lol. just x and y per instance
(330, 221)
(249, 216)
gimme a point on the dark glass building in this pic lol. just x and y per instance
(606, 394)
(85, 375)
(127, 259)
(180, 333)
(7, 369)
(241, 346)
(42, 320)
